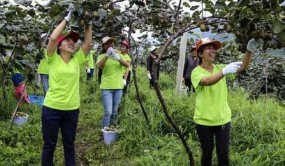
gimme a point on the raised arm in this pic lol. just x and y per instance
(245, 62)
(87, 39)
(252, 46)
(52, 44)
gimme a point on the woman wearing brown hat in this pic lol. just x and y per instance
(212, 113)
(61, 105)
(111, 86)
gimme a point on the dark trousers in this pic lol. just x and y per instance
(90, 75)
(188, 83)
(151, 81)
(128, 82)
(206, 136)
(52, 121)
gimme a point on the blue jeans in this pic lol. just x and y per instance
(44, 78)
(111, 100)
(52, 121)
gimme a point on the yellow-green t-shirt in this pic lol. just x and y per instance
(111, 73)
(63, 92)
(211, 108)
(128, 59)
(90, 59)
(43, 66)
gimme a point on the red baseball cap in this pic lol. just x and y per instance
(73, 35)
(126, 43)
(205, 41)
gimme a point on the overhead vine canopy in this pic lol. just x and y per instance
(23, 23)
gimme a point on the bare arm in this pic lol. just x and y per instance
(51, 47)
(245, 62)
(211, 80)
(101, 63)
(87, 39)
(127, 71)
(124, 63)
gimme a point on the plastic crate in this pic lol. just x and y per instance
(37, 100)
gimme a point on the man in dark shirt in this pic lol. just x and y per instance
(150, 63)
(191, 62)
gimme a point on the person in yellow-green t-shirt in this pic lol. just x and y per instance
(110, 62)
(43, 71)
(124, 51)
(212, 112)
(43, 65)
(61, 104)
(90, 64)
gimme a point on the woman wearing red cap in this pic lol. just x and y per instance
(212, 112)
(61, 105)
(124, 50)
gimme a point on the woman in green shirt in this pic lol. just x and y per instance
(111, 63)
(124, 51)
(212, 113)
(61, 105)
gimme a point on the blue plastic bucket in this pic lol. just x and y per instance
(20, 120)
(37, 100)
(110, 136)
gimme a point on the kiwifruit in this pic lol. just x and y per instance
(106, 6)
(199, 22)
(81, 22)
(95, 14)
(86, 13)
(229, 28)
(203, 27)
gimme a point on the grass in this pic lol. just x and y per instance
(257, 134)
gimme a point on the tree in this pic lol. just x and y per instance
(167, 20)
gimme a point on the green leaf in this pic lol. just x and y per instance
(274, 3)
(31, 12)
(196, 15)
(55, 10)
(194, 7)
(220, 5)
(243, 3)
(186, 4)
(277, 25)
(211, 10)
(2, 39)
(281, 36)
(1, 25)
(10, 13)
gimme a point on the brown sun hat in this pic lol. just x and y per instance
(205, 41)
